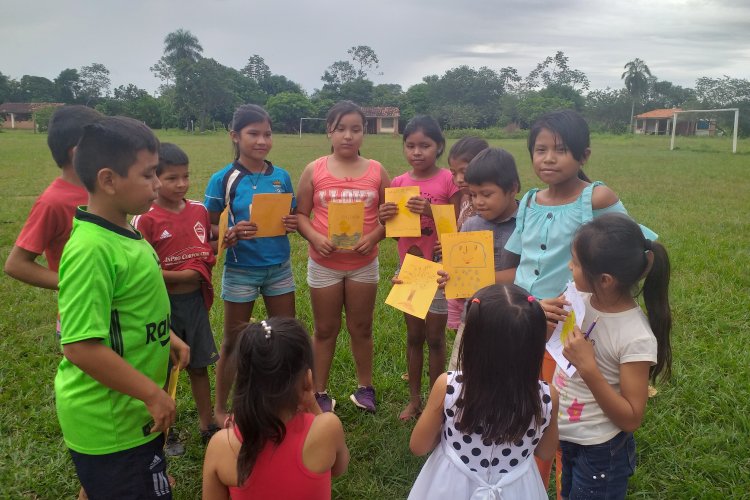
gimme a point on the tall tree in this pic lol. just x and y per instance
(365, 58)
(94, 83)
(181, 45)
(68, 84)
(636, 76)
(556, 71)
(37, 89)
(256, 69)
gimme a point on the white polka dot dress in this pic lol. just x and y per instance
(465, 466)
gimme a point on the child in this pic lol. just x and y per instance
(485, 421)
(179, 230)
(114, 313)
(47, 228)
(459, 156)
(603, 403)
(423, 145)
(281, 445)
(547, 219)
(253, 266)
(342, 279)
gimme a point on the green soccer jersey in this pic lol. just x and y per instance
(111, 289)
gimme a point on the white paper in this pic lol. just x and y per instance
(555, 344)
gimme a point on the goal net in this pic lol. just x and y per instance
(706, 123)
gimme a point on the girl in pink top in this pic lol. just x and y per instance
(423, 145)
(342, 279)
(281, 445)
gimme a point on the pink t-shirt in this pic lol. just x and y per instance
(279, 471)
(438, 189)
(327, 189)
(48, 226)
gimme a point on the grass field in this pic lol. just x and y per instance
(694, 442)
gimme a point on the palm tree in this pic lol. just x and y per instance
(636, 81)
(181, 45)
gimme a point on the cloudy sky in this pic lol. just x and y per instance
(680, 40)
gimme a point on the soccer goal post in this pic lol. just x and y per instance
(306, 118)
(736, 112)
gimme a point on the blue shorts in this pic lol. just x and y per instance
(598, 470)
(246, 284)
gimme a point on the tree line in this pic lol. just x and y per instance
(199, 92)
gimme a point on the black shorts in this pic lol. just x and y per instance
(137, 473)
(190, 322)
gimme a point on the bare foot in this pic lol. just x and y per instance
(412, 410)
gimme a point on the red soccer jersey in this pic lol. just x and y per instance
(48, 226)
(181, 240)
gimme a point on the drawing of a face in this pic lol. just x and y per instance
(468, 254)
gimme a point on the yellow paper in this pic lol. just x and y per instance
(267, 211)
(445, 219)
(568, 326)
(405, 223)
(223, 226)
(415, 294)
(174, 376)
(469, 260)
(346, 222)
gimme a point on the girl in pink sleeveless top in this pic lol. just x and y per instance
(281, 445)
(342, 279)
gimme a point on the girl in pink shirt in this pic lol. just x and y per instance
(341, 279)
(423, 145)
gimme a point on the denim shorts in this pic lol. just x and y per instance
(246, 284)
(598, 471)
(320, 276)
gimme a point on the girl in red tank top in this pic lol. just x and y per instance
(280, 444)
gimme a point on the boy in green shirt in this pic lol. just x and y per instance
(114, 314)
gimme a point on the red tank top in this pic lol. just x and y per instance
(279, 471)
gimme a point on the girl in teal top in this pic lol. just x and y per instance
(547, 219)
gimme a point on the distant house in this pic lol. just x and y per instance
(659, 122)
(382, 120)
(21, 114)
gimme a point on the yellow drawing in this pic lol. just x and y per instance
(223, 226)
(469, 260)
(419, 284)
(568, 325)
(405, 223)
(266, 212)
(445, 219)
(346, 223)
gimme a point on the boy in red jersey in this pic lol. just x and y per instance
(47, 228)
(179, 230)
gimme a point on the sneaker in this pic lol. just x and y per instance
(325, 402)
(364, 398)
(208, 433)
(173, 446)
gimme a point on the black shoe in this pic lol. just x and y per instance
(173, 446)
(208, 433)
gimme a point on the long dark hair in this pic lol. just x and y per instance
(572, 130)
(271, 360)
(338, 111)
(466, 148)
(614, 244)
(429, 127)
(500, 357)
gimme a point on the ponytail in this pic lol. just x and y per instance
(582, 175)
(656, 300)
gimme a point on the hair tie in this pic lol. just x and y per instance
(531, 298)
(649, 245)
(267, 328)
(475, 300)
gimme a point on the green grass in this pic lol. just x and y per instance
(694, 439)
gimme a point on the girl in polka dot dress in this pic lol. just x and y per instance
(484, 423)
